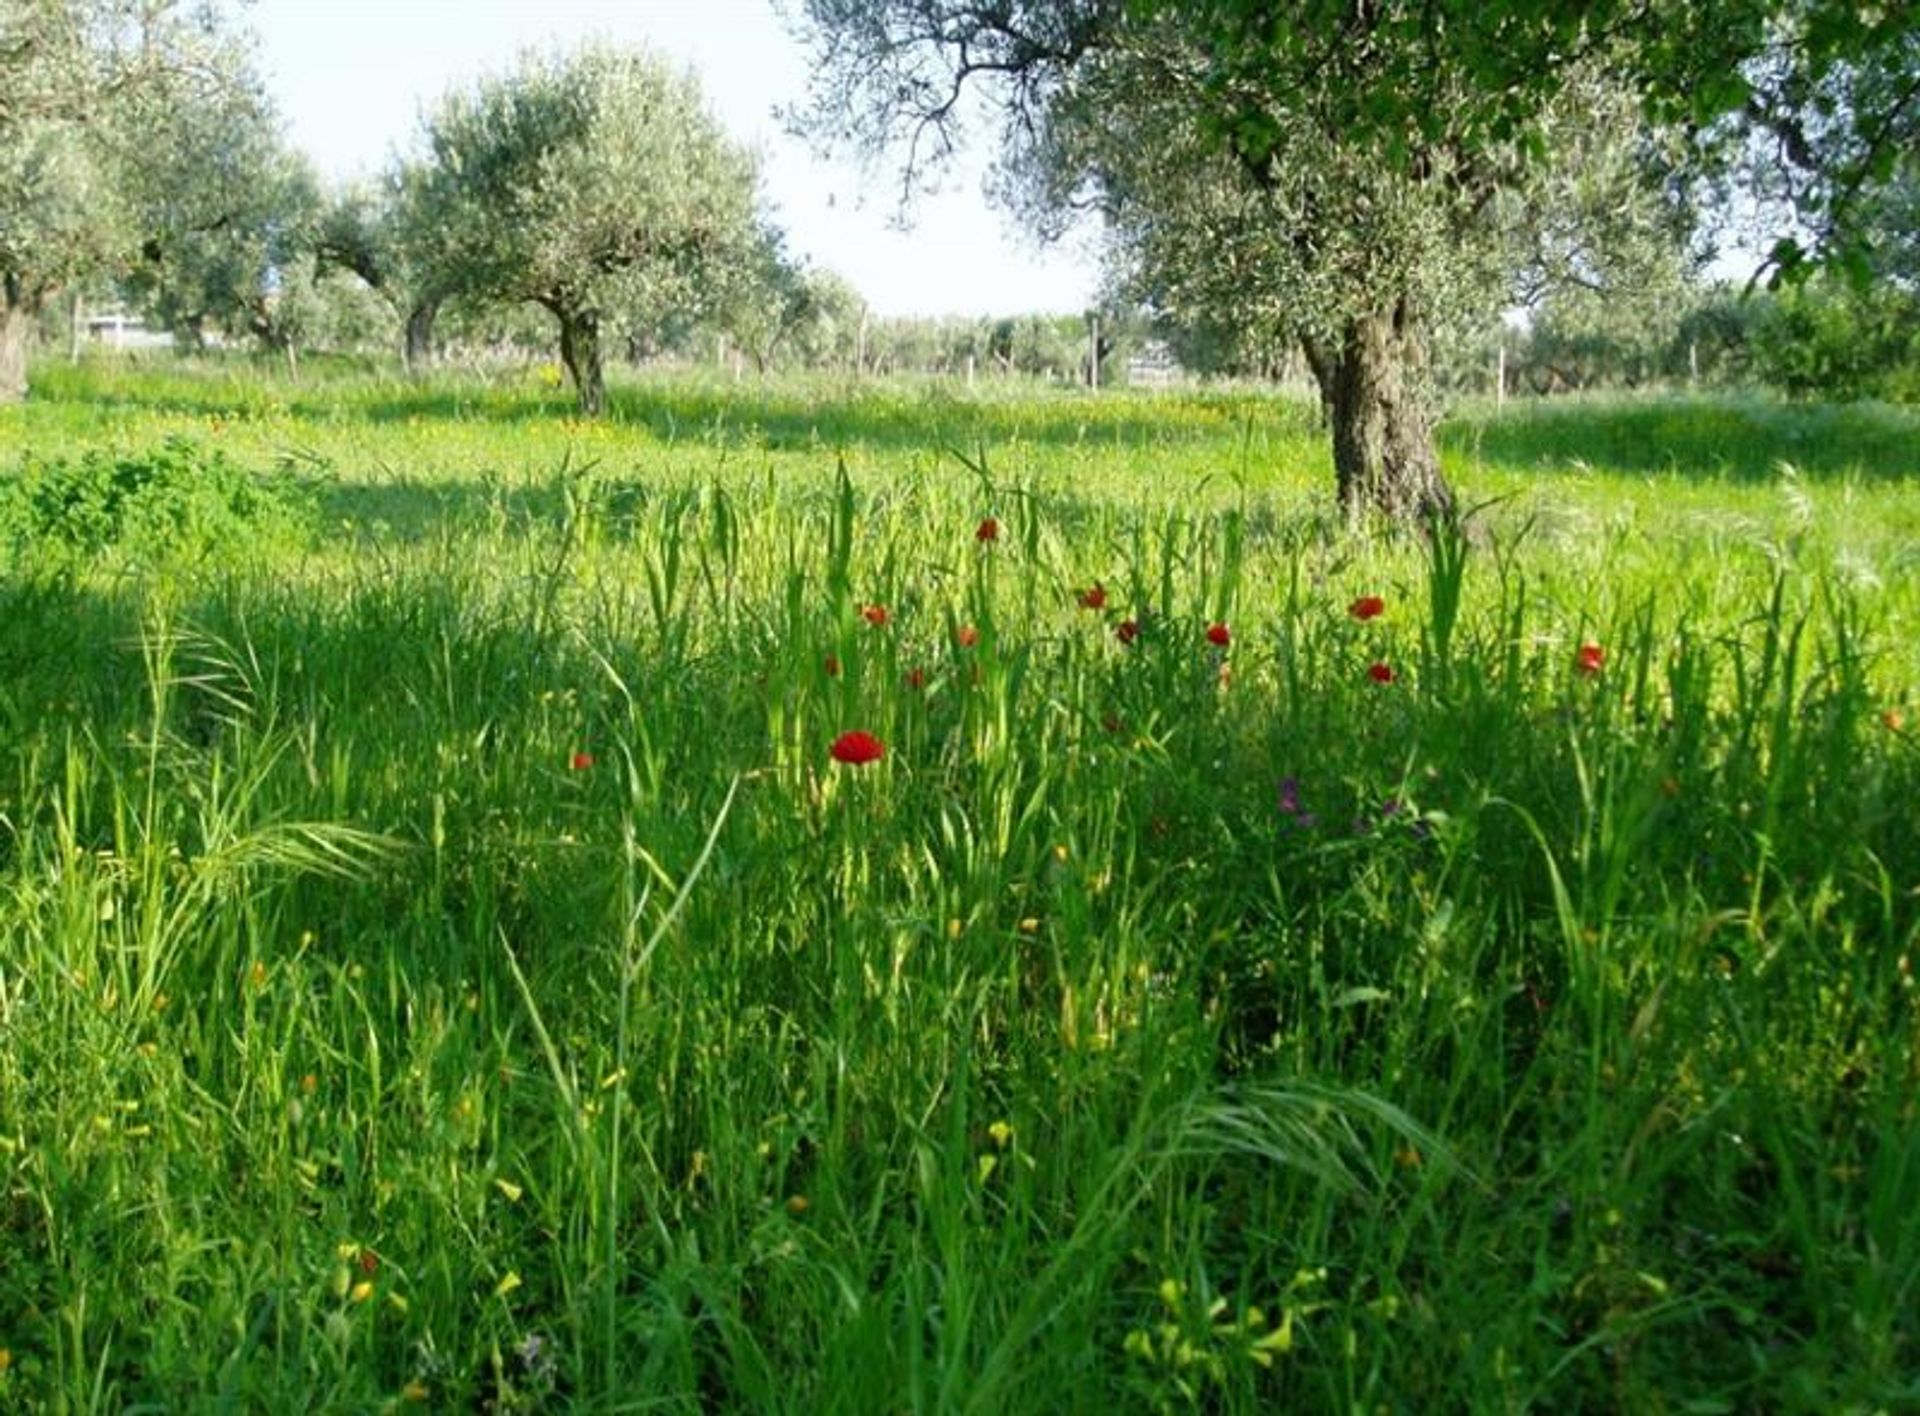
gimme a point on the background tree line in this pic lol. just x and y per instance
(1359, 183)
(1359, 193)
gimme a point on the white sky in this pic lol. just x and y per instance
(352, 76)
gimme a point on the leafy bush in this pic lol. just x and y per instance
(1824, 340)
(174, 500)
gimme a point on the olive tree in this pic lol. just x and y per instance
(385, 235)
(89, 91)
(227, 214)
(829, 337)
(1326, 169)
(594, 184)
(763, 297)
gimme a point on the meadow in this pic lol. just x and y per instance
(813, 898)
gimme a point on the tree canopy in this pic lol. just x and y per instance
(385, 234)
(89, 91)
(1329, 170)
(594, 184)
(227, 215)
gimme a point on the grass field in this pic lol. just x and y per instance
(442, 961)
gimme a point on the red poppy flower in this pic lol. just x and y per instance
(369, 1261)
(1219, 634)
(832, 665)
(1380, 673)
(1366, 607)
(875, 615)
(858, 748)
(989, 530)
(1127, 631)
(1892, 720)
(1591, 659)
(580, 761)
(966, 636)
(916, 678)
(1094, 597)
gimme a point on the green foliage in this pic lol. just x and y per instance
(466, 979)
(228, 218)
(335, 312)
(595, 184)
(92, 91)
(764, 299)
(1829, 340)
(61, 214)
(1715, 335)
(174, 501)
(1824, 143)
(1336, 174)
(1819, 338)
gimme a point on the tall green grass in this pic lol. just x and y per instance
(441, 962)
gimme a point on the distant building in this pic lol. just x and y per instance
(1152, 365)
(115, 329)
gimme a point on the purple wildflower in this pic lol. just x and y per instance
(1290, 805)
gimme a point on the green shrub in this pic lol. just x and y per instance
(177, 500)
(1824, 340)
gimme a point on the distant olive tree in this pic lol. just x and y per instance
(1831, 338)
(383, 234)
(1322, 171)
(228, 213)
(90, 91)
(829, 338)
(594, 184)
(764, 298)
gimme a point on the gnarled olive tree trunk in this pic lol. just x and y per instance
(17, 319)
(1383, 452)
(580, 352)
(420, 318)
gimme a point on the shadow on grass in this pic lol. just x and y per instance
(1713, 439)
(633, 507)
(418, 510)
(792, 414)
(1707, 438)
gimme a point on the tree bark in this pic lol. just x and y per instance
(1383, 453)
(17, 319)
(580, 352)
(420, 318)
(275, 339)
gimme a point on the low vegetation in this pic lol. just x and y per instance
(786, 898)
